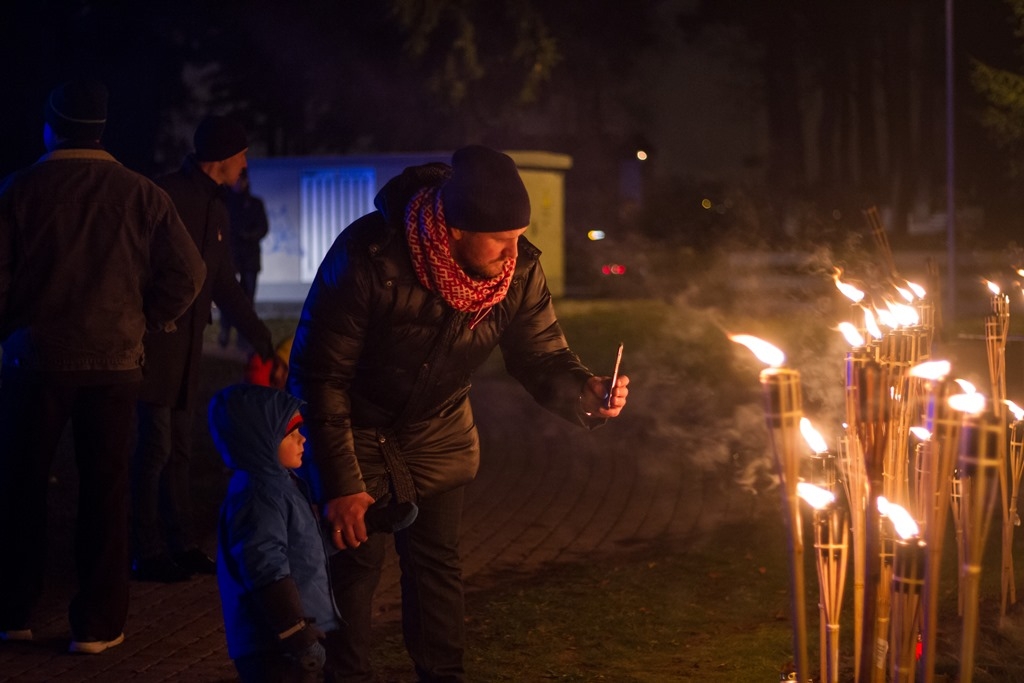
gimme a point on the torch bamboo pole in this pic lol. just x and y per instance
(896, 360)
(959, 499)
(940, 453)
(899, 350)
(783, 410)
(881, 239)
(926, 317)
(851, 462)
(871, 426)
(908, 582)
(883, 609)
(832, 542)
(1015, 463)
(978, 460)
(997, 327)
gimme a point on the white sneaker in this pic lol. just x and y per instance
(23, 634)
(94, 647)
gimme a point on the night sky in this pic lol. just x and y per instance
(690, 81)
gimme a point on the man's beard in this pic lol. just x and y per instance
(478, 274)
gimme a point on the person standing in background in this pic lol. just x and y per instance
(248, 226)
(92, 257)
(164, 543)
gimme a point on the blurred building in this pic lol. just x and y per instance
(310, 201)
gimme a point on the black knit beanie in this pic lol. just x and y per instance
(218, 138)
(485, 192)
(77, 110)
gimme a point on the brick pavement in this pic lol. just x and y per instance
(558, 494)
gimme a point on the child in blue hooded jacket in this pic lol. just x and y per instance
(271, 560)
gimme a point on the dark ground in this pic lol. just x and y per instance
(547, 492)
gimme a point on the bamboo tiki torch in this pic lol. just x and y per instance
(831, 544)
(997, 327)
(881, 239)
(818, 484)
(1015, 466)
(854, 477)
(960, 499)
(979, 462)
(900, 349)
(907, 584)
(783, 410)
(871, 426)
(938, 461)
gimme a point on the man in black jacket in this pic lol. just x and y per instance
(408, 303)
(92, 256)
(164, 546)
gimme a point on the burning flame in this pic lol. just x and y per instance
(907, 295)
(933, 369)
(849, 291)
(916, 289)
(992, 287)
(812, 436)
(765, 352)
(887, 318)
(973, 403)
(905, 315)
(921, 433)
(851, 333)
(966, 386)
(815, 496)
(1018, 412)
(872, 327)
(905, 525)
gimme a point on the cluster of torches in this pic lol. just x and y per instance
(918, 450)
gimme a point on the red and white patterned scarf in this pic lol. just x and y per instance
(427, 234)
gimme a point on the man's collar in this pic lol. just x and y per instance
(192, 166)
(62, 153)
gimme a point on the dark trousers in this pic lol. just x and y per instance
(34, 410)
(161, 497)
(432, 595)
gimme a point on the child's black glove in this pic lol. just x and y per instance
(306, 649)
(282, 608)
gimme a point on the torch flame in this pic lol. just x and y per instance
(1018, 412)
(966, 386)
(812, 436)
(921, 433)
(765, 352)
(887, 318)
(916, 289)
(848, 290)
(992, 287)
(815, 496)
(933, 369)
(852, 334)
(907, 295)
(905, 315)
(968, 403)
(905, 525)
(872, 327)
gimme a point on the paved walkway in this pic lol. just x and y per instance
(546, 492)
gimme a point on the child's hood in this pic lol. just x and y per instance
(248, 423)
